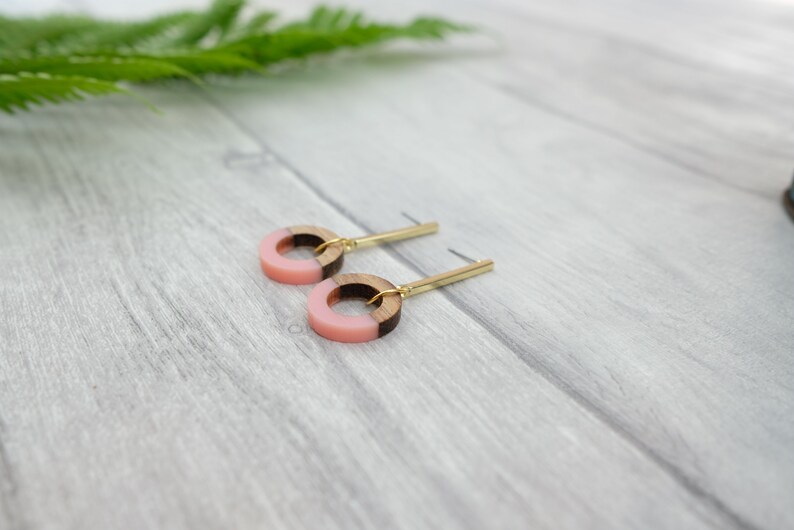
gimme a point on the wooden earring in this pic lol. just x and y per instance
(388, 297)
(329, 247)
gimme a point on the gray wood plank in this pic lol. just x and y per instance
(152, 377)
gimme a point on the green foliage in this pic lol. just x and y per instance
(106, 68)
(21, 91)
(60, 58)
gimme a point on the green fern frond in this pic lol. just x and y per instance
(258, 23)
(323, 18)
(21, 91)
(104, 68)
(201, 63)
(119, 35)
(59, 58)
(39, 35)
(219, 18)
(300, 40)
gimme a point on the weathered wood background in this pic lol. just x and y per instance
(629, 364)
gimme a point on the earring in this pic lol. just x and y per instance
(331, 325)
(330, 247)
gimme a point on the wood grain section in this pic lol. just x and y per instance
(365, 286)
(332, 258)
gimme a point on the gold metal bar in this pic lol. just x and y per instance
(445, 278)
(393, 235)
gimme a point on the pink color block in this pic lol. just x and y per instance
(331, 325)
(285, 270)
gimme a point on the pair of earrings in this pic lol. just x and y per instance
(334, 287)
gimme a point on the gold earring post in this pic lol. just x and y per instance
(439, 280)
(382, 237)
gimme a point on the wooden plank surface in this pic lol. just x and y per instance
(627, 364)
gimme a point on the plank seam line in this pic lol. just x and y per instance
(621, 432)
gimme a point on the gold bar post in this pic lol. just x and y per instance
(445, 278)
(394, 235)
(439, 280)
(382, 237)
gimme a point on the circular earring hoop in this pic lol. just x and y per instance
(342, 328)
(301, 271)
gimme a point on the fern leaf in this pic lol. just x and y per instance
(202, 63)
(221, 17)
(41, 34)
(257, 23)
(60, 58)
(107, 68)
(21, 91)
(431, 28)
(300, 40)
(114, 36)
(326, 19)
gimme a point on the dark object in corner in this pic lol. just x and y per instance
(788, 200)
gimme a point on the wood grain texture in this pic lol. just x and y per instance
(332, 258)
(628, 364)
(366, 286)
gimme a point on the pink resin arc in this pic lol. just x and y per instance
(285, 270)
(331, 325)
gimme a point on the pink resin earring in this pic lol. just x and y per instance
(329, 247)
(343, 328)
(388, 297)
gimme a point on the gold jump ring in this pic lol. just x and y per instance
(402, 291)
(346, 241)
